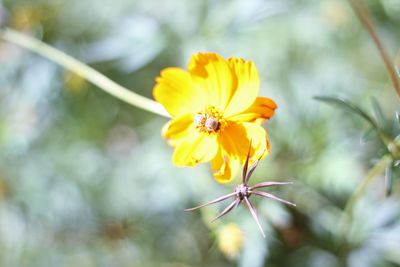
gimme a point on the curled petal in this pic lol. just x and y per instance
(196, 148)
(224, 168)
(261, 110)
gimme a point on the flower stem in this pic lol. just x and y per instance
(82, 70)
(347, 216)
(362, 13)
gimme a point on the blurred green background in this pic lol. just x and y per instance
(86, 180)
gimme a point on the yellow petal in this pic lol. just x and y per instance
(261, 110)
(236, 139)
(224, 168)
(178, 129)
(196, 148)
(177, 92)
(248, 86)
(213, 73)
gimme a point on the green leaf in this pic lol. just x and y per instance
(347, 105)
(369, 135)
(380, 119)
(389, 179)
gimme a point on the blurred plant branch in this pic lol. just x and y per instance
(346, 104)
(347, 216)
(83, 70)
(362, 13)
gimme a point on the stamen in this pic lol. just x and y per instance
(209, 121)
(211, 124)
(199, 120)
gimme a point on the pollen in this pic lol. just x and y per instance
(200, 120)
(209, 121)
(211, 124)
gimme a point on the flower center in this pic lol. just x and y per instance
(209, 121)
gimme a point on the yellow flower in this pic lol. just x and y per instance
(230, 240)
(215, 113)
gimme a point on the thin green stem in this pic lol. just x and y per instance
(347, 216)
(362, 13)
(83, 70)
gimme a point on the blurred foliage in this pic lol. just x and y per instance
(387, 132)
(86, 180)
